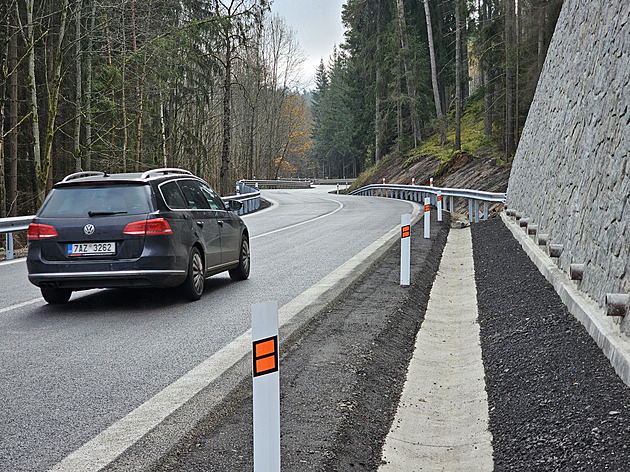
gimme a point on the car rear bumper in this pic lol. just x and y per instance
(109, 279)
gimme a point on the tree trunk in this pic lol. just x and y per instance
(88, 91)
(163, 131)
(123, 88)
(377, 96)
(509, 78)
(3, 85)
(411, 88)
(434, 78)
(227, 123)
(112, 131)
(34, 108)
(458, 76)
(54, 88)
(12, 186)
(78, 92)
(486, 73)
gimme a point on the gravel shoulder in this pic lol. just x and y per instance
(341, 377)
(555, 401)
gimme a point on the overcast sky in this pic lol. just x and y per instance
(317, 24)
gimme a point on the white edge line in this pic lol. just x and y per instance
(274, 204)
(13, 261)
(107, 446)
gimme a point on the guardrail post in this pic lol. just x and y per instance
(9, 251)
(485, 211)
(439, 206)
(476, 211)
(470, 210)
(427, 217)
(405, 250)
(451, 203)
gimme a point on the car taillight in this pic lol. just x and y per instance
(39, 231)
(148, 227)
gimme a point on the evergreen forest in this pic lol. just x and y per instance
(212, 86)
(408, 69)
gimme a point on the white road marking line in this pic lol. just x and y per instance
(20, 305)
(12, 261)
(107, 446)
(303, 222)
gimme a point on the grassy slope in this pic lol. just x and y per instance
(478, 165)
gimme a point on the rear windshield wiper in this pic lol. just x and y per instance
(105, 213)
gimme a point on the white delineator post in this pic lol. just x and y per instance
(427, 217)
(405, 250)
(431, 182)
(439, 206)
(266, 387)
(413, 181)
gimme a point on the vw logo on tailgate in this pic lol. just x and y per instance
(88, 229)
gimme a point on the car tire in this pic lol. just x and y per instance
(56, 296)
(241, 272)
(195, 281)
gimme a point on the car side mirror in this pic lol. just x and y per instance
(234, 205)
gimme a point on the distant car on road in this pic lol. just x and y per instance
(161, 228)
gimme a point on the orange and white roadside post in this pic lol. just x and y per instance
(439, 206)
(427, 217)
(405, 250)
(431, 182)
(266, 387)
(413, 181)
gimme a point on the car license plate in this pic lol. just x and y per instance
(85, 249)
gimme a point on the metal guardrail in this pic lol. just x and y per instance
(247, 195)
(417, 193)
(333, 181)
(277, 184)
(11, 225)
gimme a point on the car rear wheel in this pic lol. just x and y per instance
(56, 296)
(194, 283)
(241, 272)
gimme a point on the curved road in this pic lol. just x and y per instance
(70, 372)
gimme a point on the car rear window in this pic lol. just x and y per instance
(79, 201)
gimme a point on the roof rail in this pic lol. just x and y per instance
(164, 171)
(86, 173)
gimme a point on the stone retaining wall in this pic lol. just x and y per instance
(571, 173)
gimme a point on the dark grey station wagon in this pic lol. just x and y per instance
(162, 228)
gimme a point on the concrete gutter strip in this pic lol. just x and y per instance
(442, 417)
(603, 329)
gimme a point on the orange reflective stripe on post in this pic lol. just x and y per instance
(406, 231)
(427, 208)
(265, 356)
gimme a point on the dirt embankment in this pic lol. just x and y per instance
(463, 170)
